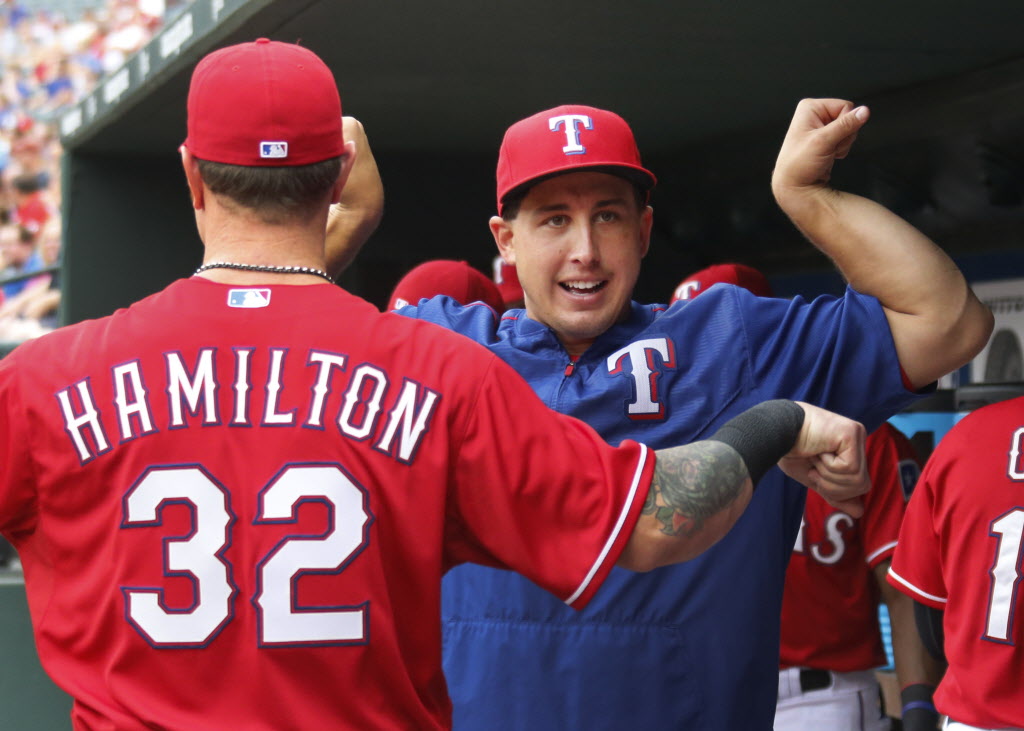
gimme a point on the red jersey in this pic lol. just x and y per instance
(234, 505)
(960, 551)
(830, 603)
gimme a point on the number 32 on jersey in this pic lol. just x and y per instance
(200, 556)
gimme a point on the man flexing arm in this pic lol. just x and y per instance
(936, 320)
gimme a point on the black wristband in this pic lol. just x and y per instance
(918, 713)
(763, 434)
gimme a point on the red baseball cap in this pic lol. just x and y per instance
(507, 279)
(457, 279)
(568, 139)
(33, 214)
(264, 104)
(738, 274)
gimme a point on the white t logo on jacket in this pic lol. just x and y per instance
(645, 372)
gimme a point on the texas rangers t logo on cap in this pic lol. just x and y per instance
(273, 149)
(572, 123)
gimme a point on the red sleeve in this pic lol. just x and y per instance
(541, 493)
(917, 564)
(893, 468)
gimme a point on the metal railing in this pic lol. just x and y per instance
(29, 275)
(5, 345)
(69, 8)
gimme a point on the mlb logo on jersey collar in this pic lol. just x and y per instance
(249, 298)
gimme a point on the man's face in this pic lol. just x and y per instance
(50, 242)
(12, 250)
(577, 244)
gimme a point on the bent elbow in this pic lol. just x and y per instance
(983, 323)
(646, 553)
(969, 335)
(929, 350)
(636, 564)
(641, 554)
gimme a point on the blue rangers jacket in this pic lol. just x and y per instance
(690, 646)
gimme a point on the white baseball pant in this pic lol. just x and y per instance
(850, 702)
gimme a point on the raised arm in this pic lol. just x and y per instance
(356, 216)
(700, 490)
(937, 322)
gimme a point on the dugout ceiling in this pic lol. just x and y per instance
(707, 85)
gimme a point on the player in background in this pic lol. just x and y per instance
(959, 559)
(831, 641)
(504, 275)
(457, 279)
(740, 275)
(694, 645)
(234, 500)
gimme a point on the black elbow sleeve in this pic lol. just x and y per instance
(929, 627)
(763, 434)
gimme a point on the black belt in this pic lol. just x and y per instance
(814, 679)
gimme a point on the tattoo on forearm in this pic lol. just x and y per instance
(692, 483)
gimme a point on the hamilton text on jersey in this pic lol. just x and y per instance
(371, 407)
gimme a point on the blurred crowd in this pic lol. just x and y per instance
(50, 58)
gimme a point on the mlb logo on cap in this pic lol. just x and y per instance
(273, 149)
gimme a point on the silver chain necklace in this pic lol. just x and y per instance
(265, 268)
